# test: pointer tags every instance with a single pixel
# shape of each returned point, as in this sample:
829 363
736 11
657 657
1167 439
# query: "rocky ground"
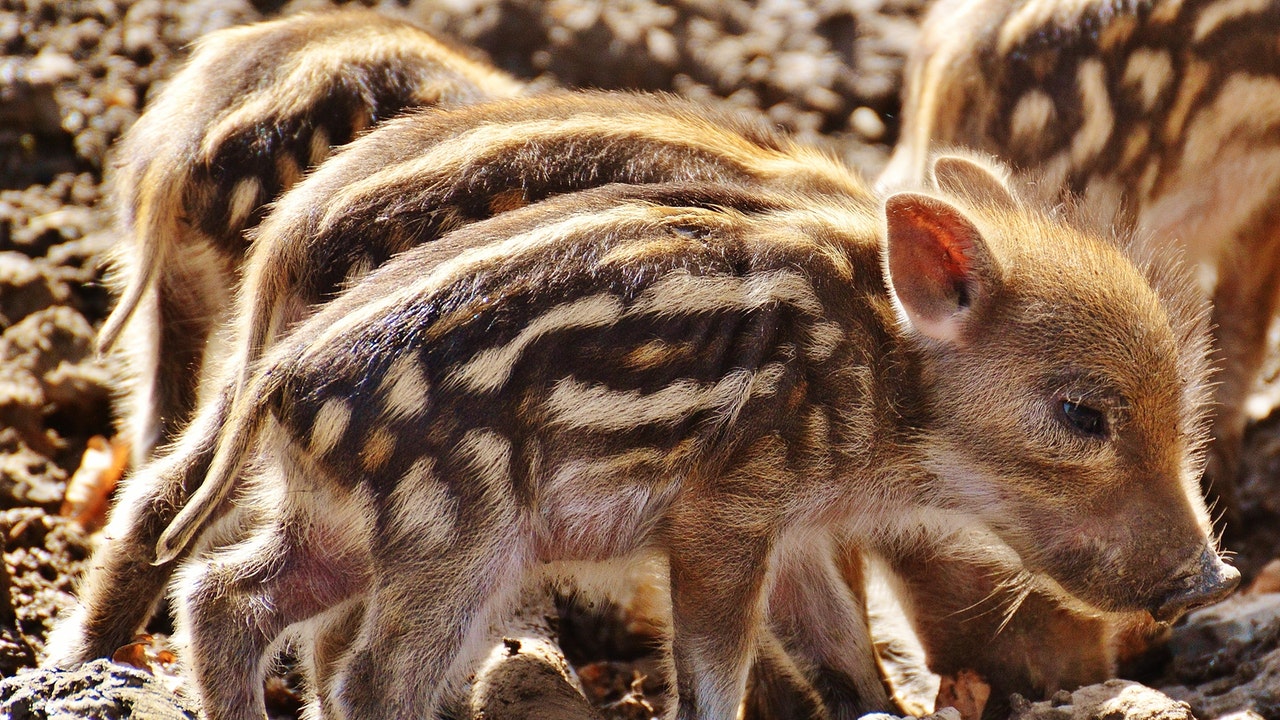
75 74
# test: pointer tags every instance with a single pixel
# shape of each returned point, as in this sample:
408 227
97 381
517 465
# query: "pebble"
867 123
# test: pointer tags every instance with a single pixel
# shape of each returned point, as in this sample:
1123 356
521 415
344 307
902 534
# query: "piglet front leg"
718 574
822 622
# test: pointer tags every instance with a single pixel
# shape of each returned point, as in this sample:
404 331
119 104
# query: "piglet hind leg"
322 649
427 615
122 586
777 689
237 600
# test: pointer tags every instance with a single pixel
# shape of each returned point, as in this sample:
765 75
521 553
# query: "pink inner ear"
953 246
935 257
949 244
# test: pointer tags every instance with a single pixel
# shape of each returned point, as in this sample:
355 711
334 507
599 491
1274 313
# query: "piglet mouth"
1205 583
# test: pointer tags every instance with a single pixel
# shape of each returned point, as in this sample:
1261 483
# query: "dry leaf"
135 653
101 467
146 652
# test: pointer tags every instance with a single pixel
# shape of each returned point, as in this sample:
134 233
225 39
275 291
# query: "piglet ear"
983 183
938 265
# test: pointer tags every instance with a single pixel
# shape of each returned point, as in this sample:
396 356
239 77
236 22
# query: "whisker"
1012 610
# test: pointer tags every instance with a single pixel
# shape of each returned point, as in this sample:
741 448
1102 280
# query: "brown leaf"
146 652
101 467
136 653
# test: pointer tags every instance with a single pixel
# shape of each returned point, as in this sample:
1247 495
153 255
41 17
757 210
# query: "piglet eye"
1084 419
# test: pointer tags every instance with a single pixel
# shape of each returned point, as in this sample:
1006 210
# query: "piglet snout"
1209 581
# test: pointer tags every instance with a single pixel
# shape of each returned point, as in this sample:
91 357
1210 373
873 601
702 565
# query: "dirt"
74 75
1111 700
101 690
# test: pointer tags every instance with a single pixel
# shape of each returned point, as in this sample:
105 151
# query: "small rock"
1242 715
1239 620
15 651
946 713
823 99
795 72
965 692
1259 695
49 68
44 555
28 478
662 46
25 287
100 689
867 123
1111 700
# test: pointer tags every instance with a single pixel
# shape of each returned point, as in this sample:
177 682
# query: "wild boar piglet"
1159 114
253 109
718 373
422 176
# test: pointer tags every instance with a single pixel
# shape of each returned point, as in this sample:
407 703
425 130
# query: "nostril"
1213 582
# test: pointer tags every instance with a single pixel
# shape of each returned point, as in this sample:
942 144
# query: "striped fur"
253 110
470 162
449 169
416 180
537 437
465 161
1159 113
446 169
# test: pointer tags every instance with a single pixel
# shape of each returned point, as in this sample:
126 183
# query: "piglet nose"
1209 582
